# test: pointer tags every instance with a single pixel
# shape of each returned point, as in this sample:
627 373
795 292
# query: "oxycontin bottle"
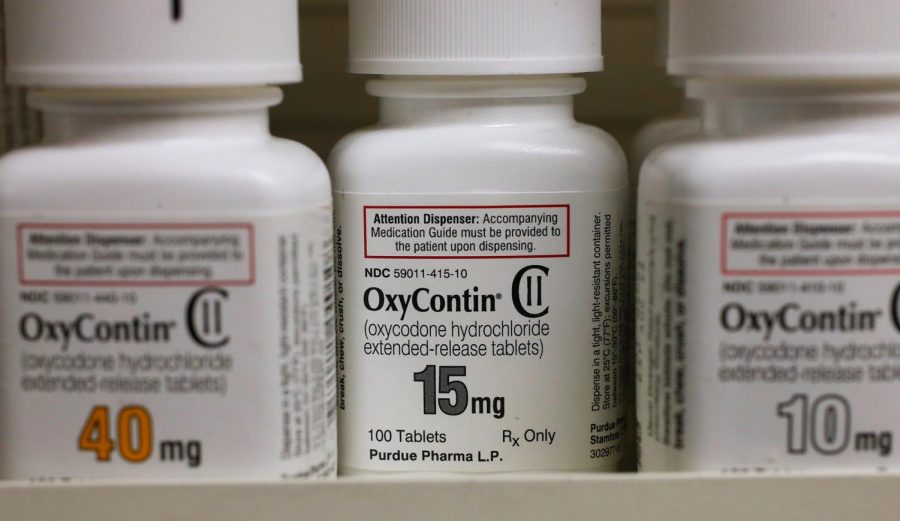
670 128
479 244
165 264
768 247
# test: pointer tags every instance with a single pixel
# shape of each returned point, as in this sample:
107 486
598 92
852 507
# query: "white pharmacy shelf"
538 498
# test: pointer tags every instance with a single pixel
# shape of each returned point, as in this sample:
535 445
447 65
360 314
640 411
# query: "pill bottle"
660 131
768 310
165 263
478 244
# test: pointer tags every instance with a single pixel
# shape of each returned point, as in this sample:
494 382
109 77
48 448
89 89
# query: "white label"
768 339
480 333
185 348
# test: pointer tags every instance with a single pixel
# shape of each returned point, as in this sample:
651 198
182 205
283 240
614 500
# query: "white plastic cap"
785 38
136 43
475 37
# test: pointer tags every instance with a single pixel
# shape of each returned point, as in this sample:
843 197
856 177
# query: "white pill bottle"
768 313
479 244
669 128
165 263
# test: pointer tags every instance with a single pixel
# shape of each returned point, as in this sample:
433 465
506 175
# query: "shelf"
525 498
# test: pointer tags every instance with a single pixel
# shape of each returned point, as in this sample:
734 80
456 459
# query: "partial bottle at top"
165 264
480 244
768 308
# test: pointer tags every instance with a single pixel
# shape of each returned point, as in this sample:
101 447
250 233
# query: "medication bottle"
768 313
661 131
479 244
165 263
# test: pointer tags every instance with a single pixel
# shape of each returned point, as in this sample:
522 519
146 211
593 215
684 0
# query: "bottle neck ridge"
744 107
102 115
476 100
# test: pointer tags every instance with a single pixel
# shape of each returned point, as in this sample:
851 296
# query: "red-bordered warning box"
557 247
729 266
35 272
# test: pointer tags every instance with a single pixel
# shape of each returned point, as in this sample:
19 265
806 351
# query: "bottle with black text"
768 308
479 244
166 265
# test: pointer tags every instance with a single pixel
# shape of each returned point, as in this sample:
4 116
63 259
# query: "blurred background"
330 103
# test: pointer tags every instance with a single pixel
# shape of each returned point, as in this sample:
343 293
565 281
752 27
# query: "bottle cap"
785 38
475 37
159 43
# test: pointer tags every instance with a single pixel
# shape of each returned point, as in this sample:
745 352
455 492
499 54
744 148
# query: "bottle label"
480 332
768 339
179 348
